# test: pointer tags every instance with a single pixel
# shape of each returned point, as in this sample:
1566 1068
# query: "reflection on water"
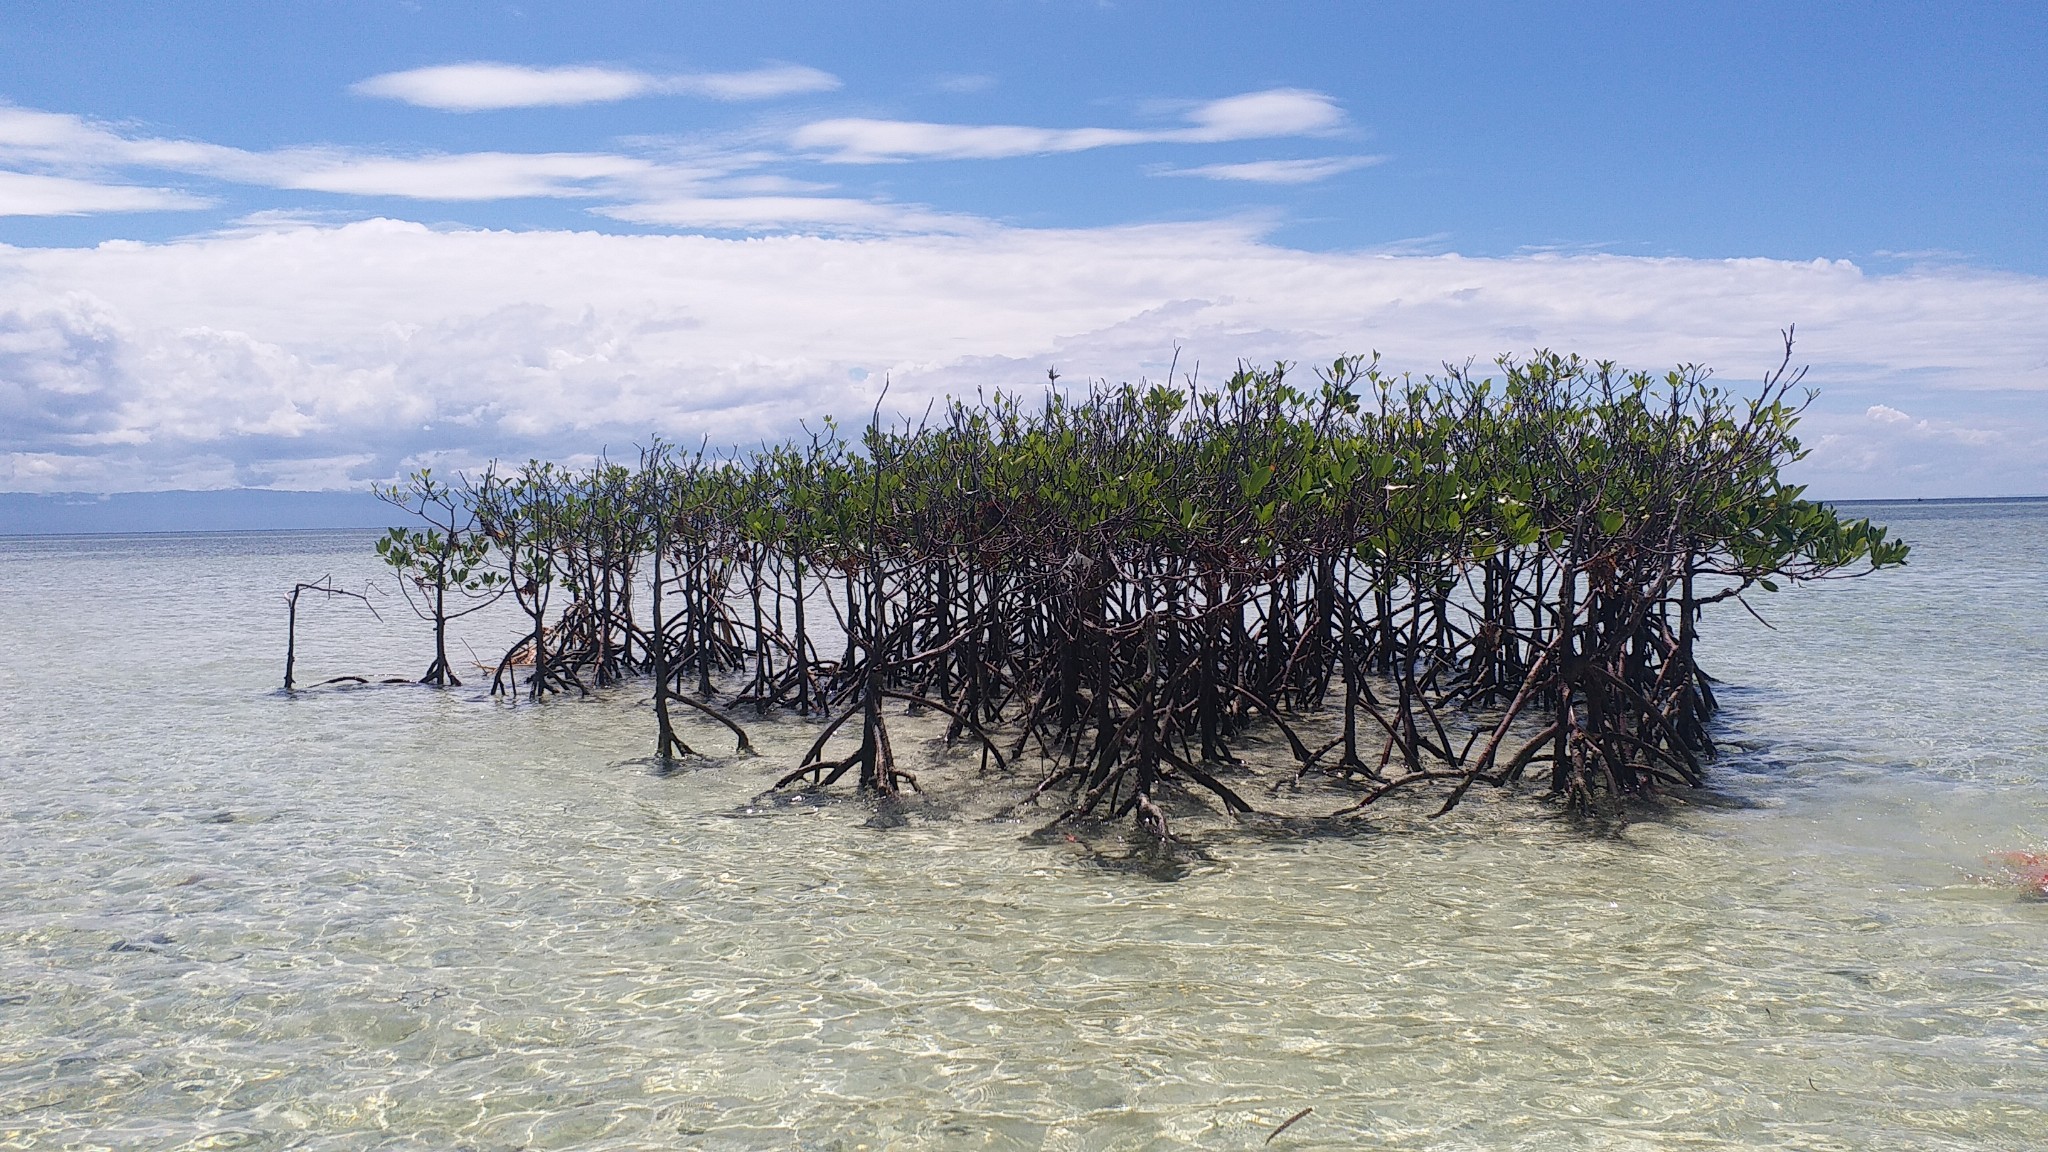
391 917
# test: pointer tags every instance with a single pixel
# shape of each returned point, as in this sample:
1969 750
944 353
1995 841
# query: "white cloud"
26 194
1976 454
30 136
757 84
964 83
320 353
466 176
1252 116
862 141
1259 115
1278 171
487 86
1887 414
795 213
650 181
86 165
72 144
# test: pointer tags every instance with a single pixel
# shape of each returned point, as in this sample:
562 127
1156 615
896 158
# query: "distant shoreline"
186 513
1936 500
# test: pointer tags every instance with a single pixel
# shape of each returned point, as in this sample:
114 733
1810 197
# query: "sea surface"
394 917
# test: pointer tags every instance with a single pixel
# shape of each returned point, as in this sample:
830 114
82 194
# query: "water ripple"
396 918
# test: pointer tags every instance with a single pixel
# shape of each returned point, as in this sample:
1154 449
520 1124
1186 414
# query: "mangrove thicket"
1102 593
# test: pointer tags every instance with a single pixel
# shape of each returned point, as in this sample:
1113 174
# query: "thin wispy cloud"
797 213
82 166
767 83
1258 115
72 151
471 175
1274 113
27 134
865 141
74 145
484 86
1278 171
27 194
964 83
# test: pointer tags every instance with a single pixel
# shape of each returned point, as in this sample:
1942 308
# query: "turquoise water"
401 918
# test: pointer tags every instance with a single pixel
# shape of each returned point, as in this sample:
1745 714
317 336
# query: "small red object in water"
2028 869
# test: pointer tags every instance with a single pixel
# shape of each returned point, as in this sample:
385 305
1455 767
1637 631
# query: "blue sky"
326 216
1859 131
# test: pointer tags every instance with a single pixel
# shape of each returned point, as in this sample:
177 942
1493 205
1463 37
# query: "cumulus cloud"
1252 116
488 86
1278 171
1983 450
61 373
326 356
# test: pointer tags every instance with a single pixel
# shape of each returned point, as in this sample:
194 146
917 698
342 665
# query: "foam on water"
399 918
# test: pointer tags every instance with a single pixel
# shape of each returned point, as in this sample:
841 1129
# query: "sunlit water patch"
395 917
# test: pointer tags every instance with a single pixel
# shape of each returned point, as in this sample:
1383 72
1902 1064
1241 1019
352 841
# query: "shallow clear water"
402 918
